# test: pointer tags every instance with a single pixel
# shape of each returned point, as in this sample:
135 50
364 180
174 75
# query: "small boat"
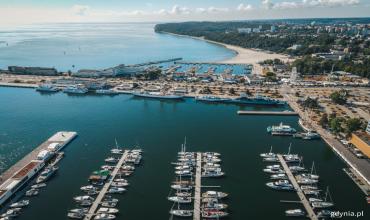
116 151
83 210
270 159
280 185
88 188
182 186
104 216
114 190
111 160
75 89
86 203
214 204
297 168
109 204
157 95
46 174
214 214
209 98
183 173
20 204
181 213
75 215
279 176
106 92
295 213
107 167
274 171
322 204
281 129
120 180
308 187
119 184
83 198
314 200
214 194
183 194
311 192
32 192
324 214
12 213
213 173
180 199
38 186
108 210
306 181
269 154
47 88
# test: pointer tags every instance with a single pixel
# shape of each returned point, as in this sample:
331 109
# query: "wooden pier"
197 189
282 113
62 137
105 188
310 213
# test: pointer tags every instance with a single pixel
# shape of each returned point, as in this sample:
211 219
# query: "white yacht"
46 174
280 185
32 192
11 213
76 89
108 210
20 204
279 176
214 194
295 213
104 216
214 214
75 215
106 92
180 199
181 213
83 198
116 190
47 88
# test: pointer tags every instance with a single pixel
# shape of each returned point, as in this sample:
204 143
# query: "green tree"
324 120
353 124
338 98
335 125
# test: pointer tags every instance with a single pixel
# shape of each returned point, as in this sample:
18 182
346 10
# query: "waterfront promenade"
361 166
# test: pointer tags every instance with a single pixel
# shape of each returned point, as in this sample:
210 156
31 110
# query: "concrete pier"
197 189
284 113
105 188
62 137
310 213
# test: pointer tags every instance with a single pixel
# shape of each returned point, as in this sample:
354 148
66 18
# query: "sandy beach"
242 55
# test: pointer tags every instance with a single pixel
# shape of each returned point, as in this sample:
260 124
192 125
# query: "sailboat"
269 154
116 150
325 203
312 175
181 212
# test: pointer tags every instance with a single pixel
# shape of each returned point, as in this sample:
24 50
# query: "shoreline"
242 55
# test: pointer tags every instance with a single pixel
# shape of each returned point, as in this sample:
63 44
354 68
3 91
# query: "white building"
244 30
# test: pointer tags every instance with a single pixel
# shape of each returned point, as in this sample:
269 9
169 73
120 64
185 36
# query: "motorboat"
104 216
46 174
306 181
213 173
279 176
111 160
183 173
119 184
108 210
214 194
75 215
214 214
311 192
179 199
38 186
75 89
269 154
20 204
47 88
181 186
107 167
280 185
214 204
109 204
113 190
274 171
83 198
270 159
308 187
181 212
83 210
183 194
281 129
88 188
295 213
106 92
11 213
297 168
32 192
322 204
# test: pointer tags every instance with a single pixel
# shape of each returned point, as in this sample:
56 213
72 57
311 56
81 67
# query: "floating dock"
105 188
197 190
310 213
25 169
282 113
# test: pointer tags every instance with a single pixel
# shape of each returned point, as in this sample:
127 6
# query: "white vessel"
295 212
116 190
181 213
106 92
108 210
75 89
214 194
104 216
20 204
47 88
46 174
157 95
179 199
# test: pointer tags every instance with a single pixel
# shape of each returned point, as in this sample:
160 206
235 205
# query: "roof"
365 137
24 171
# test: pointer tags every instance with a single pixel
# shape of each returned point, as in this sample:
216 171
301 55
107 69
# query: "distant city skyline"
40 11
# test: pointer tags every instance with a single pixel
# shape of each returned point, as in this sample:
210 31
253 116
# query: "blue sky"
38 11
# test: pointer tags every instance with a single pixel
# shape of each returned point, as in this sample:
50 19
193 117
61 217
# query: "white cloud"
309 4
243 7
81 10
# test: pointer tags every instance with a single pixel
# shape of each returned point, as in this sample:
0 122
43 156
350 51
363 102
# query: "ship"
157 95
281 129
47 88
106 92
208 98
243 99
307 135
76 89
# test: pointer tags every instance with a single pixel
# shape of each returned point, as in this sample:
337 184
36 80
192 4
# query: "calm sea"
78 46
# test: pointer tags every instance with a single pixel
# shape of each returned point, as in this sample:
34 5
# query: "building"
244 30
273 28
361 140
43 71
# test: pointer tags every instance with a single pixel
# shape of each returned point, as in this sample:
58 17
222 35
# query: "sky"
14 12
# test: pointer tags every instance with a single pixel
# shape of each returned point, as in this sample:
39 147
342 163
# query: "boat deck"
62 137
197 193
310 213
105 188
